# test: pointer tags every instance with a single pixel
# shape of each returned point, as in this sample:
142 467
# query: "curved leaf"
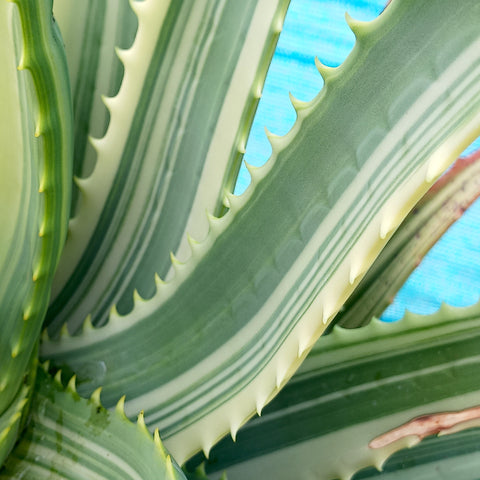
443 204
176 135
220 339
35 178
354 386
73 438
91 31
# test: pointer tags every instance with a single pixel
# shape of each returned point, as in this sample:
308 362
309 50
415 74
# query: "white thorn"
325 72
296 103
354 273
356 26
327 312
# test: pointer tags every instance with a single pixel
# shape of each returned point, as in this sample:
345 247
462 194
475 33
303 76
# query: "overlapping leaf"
370 381
35 180
74 439
217 341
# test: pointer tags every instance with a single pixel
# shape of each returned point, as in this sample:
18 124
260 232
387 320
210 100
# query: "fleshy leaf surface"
222 337
74 439
355 386
175 140
35 179
443 204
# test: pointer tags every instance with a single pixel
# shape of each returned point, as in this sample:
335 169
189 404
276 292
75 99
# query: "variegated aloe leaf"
442 457
355 386
13 419
217 342
72 438
35 178
443 204
177 133
91 31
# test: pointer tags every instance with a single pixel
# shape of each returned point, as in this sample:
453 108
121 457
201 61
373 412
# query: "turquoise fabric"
451 270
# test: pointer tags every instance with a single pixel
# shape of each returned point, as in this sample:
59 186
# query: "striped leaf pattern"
443 204
91 31
176 136
75 439
35 172
216 342
370 381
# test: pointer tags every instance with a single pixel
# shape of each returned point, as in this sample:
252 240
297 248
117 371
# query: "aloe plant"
195 342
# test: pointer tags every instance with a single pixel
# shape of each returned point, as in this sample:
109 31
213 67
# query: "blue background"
451 270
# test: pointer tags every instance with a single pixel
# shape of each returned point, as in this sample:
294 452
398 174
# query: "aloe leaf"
91 31
443 204
369 381
223 336
35 176
441 457
175 141
14 418
73 438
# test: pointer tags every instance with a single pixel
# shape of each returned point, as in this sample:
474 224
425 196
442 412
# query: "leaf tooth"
136 297
95 397
16 350
257 91
206 447
42 230
195 249
123 54
215 223
141 423
327 311
87 325
304 343
109 102
297 104
235 425
158 281
40 127
386 226
355 272
234 202
58 378
71 386
79 182
137 7
275 140
64 333
38 272
258 173
192 243
359 28
45 365
120 407
260 401
327 73
28 312
98 144
114 312
277 24
178 266
42 185
159 444
169 467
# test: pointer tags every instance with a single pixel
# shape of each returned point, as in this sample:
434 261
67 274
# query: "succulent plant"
96 196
